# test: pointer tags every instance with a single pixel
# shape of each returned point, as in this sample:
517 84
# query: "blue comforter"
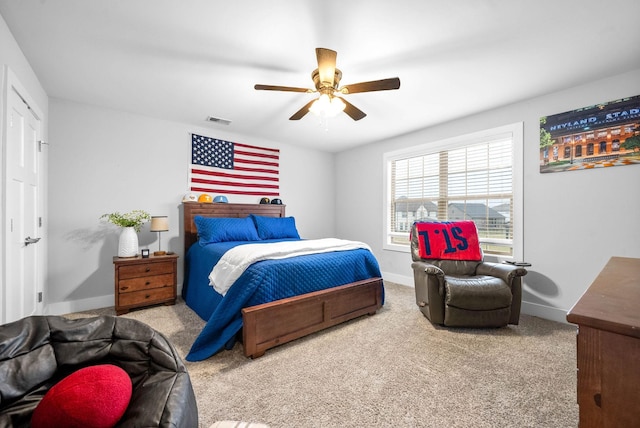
262 282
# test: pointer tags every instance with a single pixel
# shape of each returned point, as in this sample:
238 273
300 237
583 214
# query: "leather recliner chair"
460 293
39 351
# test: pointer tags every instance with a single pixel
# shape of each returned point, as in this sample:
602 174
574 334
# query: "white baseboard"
398 279
543 311
61 308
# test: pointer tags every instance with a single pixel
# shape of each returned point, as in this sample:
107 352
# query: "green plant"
133 219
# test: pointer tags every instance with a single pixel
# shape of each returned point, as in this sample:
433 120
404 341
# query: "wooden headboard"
192 209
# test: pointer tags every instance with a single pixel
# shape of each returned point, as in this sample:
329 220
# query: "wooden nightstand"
144 282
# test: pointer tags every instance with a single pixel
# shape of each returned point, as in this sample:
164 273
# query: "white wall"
103 161
573 221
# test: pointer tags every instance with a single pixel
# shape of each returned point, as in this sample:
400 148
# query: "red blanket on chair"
449 240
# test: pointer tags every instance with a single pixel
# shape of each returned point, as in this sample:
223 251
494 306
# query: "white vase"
128 243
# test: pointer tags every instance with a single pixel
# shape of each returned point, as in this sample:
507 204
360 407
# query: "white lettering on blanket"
235 261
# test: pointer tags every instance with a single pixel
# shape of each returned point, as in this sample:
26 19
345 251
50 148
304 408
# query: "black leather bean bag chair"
37 352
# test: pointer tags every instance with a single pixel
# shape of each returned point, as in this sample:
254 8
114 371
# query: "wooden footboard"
272 324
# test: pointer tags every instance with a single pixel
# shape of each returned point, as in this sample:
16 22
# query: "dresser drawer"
146 297
146 269
145 283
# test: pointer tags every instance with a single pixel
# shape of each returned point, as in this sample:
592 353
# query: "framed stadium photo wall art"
597 136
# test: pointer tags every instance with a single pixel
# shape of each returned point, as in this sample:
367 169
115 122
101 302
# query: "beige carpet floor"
393 369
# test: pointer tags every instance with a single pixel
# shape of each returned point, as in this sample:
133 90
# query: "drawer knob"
147 283
147 296
148 269
598 399
123 288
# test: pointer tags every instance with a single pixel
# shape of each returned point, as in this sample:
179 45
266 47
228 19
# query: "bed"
325 295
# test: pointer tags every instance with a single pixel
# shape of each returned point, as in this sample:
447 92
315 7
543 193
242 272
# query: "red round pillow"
95 396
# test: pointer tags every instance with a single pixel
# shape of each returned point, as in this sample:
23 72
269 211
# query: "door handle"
29 240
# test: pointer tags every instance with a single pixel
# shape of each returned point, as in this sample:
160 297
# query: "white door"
22 203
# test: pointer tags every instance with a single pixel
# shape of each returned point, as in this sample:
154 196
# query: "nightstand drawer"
145 283
146 296
146 269
141 282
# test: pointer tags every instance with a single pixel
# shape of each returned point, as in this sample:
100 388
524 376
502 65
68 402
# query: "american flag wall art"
223 167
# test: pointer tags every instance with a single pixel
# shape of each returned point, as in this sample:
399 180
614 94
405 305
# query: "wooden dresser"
141 282
608 319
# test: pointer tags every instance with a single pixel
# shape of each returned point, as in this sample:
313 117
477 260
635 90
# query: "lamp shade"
159 223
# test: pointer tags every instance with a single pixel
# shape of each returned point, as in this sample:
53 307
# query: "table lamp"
159 224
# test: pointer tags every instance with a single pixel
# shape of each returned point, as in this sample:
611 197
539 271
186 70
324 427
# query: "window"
473 177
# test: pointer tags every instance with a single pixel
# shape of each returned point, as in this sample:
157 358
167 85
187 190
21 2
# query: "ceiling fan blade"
326 65
304 110
281 88
374 85
354 112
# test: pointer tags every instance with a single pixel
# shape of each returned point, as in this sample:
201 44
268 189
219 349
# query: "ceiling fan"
326 79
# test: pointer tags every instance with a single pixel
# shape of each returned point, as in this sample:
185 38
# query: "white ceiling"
189 59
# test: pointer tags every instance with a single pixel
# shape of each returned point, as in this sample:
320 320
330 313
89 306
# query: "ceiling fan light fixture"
327 106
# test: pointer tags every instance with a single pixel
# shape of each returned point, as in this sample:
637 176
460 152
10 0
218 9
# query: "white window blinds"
473 180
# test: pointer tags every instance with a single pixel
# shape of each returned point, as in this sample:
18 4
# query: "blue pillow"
223 229
275 227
